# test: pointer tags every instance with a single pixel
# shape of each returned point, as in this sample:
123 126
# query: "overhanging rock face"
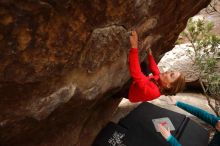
61 60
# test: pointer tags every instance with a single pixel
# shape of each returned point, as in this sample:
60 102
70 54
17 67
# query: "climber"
201 114
145 88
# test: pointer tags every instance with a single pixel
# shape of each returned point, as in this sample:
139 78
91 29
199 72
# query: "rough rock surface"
60 61
177 59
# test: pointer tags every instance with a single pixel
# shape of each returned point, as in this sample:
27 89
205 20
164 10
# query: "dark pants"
215 140
124 90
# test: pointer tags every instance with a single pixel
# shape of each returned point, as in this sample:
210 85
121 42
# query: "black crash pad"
138 130
111 135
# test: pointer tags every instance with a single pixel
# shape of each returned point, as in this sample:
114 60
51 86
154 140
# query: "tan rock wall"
60 60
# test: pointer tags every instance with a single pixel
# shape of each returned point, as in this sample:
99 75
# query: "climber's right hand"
134 39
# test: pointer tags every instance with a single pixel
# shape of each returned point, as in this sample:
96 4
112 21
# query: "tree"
205 55
213 7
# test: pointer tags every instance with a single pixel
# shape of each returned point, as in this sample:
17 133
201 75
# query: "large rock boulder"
60 61
178 59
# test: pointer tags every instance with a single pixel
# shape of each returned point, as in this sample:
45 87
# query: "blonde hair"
177 86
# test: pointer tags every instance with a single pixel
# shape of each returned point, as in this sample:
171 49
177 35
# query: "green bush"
205 54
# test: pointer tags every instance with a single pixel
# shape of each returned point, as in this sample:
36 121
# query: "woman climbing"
145 88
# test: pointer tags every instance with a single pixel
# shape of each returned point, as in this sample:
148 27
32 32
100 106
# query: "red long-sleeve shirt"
142 89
